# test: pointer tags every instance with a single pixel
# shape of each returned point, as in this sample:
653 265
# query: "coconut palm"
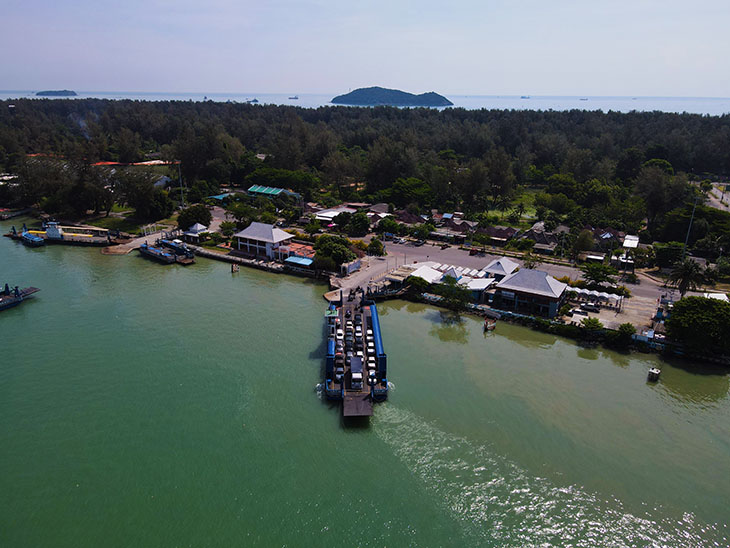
686 275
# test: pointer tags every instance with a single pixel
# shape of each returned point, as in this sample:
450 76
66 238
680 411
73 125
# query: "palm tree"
520 209
687 275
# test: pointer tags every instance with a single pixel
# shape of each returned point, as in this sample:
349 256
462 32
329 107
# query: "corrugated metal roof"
299 261
537 282
264 233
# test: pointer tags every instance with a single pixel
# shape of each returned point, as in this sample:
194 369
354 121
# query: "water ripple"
502 505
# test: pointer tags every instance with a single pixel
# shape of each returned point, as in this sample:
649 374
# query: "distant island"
375 96
57 93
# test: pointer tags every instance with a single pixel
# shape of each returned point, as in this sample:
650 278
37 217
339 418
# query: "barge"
13 297
356 364
183 254
53 233
156 253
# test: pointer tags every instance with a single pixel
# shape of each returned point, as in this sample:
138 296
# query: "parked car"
590 307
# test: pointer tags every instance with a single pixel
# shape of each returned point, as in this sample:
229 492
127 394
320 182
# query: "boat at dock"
356 364
157 253
183 254
13 297
53 233
31 240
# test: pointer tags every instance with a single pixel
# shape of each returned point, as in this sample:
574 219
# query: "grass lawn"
124 224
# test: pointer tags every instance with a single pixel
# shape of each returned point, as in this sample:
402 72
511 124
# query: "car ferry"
356 364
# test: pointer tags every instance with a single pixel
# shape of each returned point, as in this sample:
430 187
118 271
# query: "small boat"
525 97
294 97
13 297
156 253
653 375
31 240
489 324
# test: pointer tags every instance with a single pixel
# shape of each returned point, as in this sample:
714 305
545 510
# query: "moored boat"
31 240
183 254
13 297
157 253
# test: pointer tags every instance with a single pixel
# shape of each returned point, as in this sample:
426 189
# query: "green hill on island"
375 96
57 93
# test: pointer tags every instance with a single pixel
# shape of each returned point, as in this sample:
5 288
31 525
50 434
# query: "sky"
487 47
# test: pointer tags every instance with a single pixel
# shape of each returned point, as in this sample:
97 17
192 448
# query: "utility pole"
179 180
689 228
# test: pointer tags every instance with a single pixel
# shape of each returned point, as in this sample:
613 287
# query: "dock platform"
357 405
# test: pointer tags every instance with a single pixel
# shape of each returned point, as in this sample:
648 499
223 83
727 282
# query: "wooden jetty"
356 365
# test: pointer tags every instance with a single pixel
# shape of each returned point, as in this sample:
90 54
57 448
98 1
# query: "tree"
388 224
703 325
359 225
194 214
312 227
228 228
417 285
376 247
686 275
584 242
530 261
334 247
455 297
591 324
597 273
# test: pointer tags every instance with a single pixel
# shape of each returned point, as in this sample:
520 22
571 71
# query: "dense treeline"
625 171
396 139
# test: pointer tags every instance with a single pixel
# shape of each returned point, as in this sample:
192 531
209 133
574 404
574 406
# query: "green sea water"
154 406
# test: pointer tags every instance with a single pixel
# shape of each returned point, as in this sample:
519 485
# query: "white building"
262 240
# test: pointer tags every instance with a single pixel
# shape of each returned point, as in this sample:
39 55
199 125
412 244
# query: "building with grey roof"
499 268
533 292
262 240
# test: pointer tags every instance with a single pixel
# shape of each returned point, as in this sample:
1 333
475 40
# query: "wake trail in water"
501 505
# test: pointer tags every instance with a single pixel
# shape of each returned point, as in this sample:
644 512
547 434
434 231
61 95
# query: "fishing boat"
31 240
13 297
157 253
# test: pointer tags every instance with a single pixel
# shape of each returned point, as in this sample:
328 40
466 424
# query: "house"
408 218
532 292
262 240
327 216
478 287
499 268
545 241
194 233
460 225
380 208
499 235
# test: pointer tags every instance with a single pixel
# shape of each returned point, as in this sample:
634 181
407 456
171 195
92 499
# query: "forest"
628 171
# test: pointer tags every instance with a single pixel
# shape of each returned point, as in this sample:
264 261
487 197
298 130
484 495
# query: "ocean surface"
696 105
159 406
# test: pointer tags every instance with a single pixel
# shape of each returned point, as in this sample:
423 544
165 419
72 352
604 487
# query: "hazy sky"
488 47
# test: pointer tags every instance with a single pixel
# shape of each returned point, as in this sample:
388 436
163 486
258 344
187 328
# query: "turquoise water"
149 405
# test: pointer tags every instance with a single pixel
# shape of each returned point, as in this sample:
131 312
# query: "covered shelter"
194 233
